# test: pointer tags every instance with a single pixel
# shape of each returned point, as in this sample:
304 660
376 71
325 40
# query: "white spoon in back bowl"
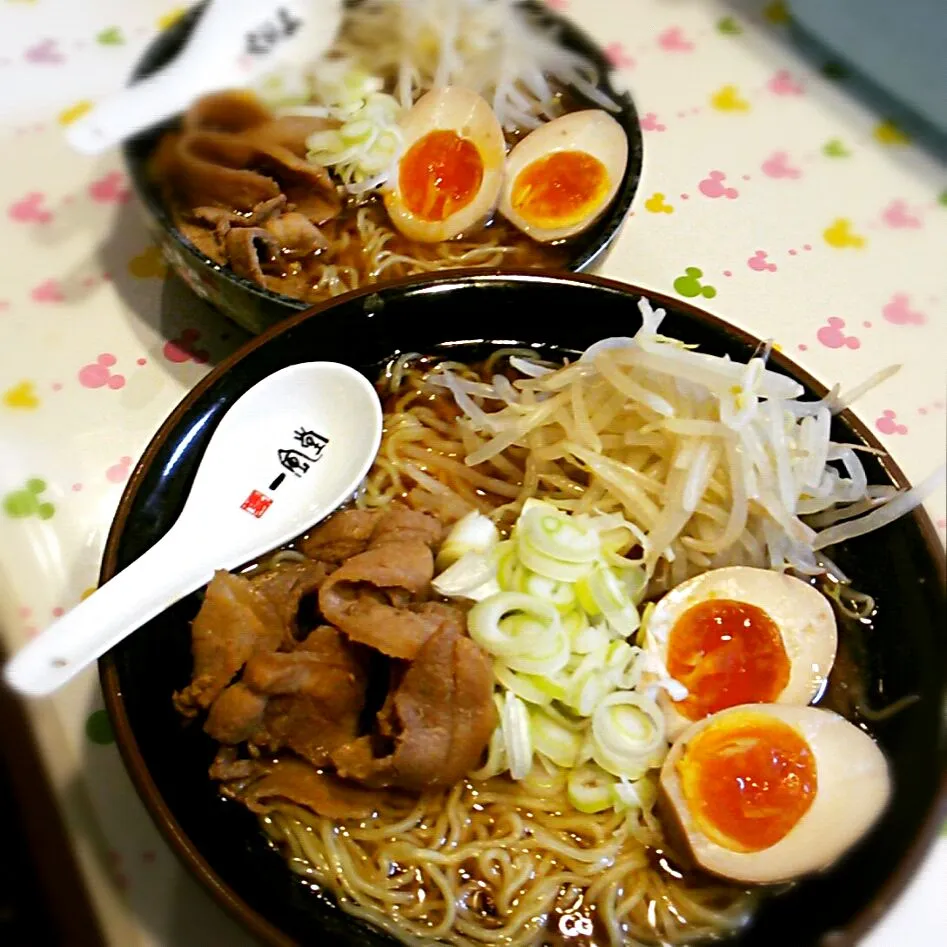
233 43
284 456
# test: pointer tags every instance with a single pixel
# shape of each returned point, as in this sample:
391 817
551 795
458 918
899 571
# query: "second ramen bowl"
255 308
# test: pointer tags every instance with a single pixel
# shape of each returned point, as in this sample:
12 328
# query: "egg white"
803 615
853 786
591 131
468 115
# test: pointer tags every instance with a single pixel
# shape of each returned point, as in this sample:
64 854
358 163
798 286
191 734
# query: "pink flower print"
832 336
759 263
898 311
888 423
650 123
672 41
897 216
30 209
713 186
98 374
783 83
777 166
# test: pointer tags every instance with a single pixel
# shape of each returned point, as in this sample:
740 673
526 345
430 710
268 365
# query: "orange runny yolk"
726 653
747 780
560 189
439 175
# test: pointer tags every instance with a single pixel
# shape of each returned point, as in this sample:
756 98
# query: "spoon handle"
134 596
131 110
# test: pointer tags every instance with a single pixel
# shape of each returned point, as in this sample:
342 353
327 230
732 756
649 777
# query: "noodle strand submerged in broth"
495 863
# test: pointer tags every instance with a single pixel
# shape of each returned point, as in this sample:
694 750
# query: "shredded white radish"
713 461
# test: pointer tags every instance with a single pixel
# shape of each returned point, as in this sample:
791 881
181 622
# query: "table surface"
771 194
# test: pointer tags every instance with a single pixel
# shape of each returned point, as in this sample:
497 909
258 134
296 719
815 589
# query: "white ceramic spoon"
287 453
233 43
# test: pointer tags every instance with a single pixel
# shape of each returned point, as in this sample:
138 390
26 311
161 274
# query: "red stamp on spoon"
257 503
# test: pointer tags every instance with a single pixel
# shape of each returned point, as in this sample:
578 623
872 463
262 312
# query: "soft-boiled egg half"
564 174
740 636
763 793
450 171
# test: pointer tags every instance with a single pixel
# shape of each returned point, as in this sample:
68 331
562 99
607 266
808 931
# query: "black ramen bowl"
256 308
466 314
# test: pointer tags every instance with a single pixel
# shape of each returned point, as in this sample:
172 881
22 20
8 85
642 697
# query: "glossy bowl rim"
137 766
613 219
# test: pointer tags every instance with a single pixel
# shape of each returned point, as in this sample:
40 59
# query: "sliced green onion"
574 621
545 778
623 664
588 692
561 594
496 761
525 632
584 665
559 623
472 576
517 741
533 688
553 545
507 566
638 794
549 567
360 150
564 716
590 789
646 613
590 638
586 600
628 734
543 651
635 580
552 739
604 592
555 534
471 533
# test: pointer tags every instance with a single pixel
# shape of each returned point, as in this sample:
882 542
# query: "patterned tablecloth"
771 194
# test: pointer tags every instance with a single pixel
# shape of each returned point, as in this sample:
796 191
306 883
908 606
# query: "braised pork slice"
312 698
443 714
228 766
296 235
233 153
351 532
447 507
367 598
287 585
210 167
400 524
250 250
293 781
318 696
308 187
236 715
222 219
341 536
289 132
235 622
228 111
